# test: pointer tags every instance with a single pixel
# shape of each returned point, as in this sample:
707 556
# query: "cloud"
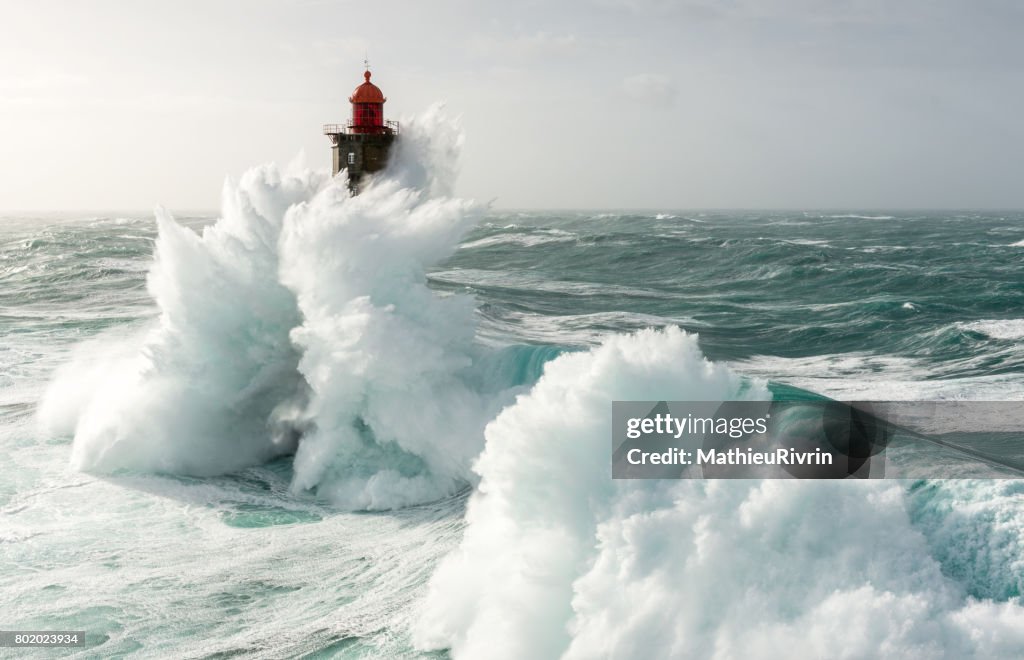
654 88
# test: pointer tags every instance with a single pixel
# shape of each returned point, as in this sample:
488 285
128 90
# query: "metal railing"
339 129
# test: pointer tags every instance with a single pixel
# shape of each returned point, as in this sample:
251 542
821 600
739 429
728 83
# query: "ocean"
318 426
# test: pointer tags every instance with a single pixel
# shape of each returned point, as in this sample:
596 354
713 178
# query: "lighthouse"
363 143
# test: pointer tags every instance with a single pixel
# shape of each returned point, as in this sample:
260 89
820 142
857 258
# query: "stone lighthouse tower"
362 145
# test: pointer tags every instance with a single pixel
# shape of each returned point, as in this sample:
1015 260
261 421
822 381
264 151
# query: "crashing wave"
560 561
301 322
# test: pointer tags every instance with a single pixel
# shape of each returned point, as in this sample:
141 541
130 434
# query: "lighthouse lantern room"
363 144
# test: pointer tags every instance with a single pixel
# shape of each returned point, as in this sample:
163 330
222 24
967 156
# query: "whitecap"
996 329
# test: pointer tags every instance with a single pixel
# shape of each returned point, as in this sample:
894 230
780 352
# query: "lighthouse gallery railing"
337 129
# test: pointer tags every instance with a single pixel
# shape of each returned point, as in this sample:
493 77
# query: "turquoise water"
881 305
940 290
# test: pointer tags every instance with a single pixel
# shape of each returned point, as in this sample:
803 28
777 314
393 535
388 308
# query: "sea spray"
975 529
388 361
400 389
199 395
301 320
558 560
546 484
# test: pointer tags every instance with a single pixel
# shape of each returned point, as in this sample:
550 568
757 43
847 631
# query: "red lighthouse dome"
367 107
367 92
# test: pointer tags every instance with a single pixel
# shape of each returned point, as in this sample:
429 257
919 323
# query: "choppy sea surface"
174 562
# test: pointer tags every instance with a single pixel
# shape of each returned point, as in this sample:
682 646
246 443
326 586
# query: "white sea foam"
199 395
397 416
560 561
997 329
864 376
302 312
545 488
808 242
582 330
538 237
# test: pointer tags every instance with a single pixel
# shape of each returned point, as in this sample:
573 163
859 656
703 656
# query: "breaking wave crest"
301 322
203 390
558 560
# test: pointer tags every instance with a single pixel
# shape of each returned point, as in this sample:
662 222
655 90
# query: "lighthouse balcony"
351 128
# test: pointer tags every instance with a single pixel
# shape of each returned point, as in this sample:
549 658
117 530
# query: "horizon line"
6 213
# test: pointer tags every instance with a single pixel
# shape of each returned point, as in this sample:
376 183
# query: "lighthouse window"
351 159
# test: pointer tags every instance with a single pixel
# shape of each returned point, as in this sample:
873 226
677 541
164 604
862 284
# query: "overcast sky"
577 104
